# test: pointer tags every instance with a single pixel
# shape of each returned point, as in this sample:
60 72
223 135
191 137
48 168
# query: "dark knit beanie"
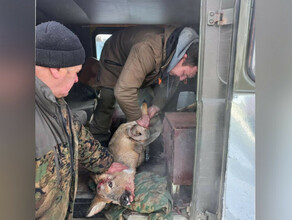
57 46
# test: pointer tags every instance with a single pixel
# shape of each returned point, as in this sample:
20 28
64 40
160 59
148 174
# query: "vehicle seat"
82 98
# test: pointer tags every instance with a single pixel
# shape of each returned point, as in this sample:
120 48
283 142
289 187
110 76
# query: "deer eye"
110 184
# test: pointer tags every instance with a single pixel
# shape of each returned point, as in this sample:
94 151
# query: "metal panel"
208 156
214 88
179 143
239 182
239 194
119 12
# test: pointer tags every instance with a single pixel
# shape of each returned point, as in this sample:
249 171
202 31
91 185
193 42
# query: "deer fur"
127 147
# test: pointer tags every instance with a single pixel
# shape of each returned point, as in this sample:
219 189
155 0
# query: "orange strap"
159 81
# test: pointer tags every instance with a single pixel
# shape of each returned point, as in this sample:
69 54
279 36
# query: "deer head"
115 186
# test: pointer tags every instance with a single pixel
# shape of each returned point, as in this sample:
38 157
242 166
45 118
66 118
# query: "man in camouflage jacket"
61 142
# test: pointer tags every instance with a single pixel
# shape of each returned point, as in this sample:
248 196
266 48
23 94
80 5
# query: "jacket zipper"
72 138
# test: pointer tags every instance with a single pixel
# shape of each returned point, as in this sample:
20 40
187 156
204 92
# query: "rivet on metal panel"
212 18
223 17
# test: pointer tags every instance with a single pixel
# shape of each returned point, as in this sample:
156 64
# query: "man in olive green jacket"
140 57
61 142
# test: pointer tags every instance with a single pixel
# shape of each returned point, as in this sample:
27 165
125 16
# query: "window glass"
99 42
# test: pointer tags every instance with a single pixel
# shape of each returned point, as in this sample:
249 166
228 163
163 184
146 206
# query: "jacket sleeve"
140 62
92 155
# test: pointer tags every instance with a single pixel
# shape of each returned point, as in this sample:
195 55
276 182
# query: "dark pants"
102 119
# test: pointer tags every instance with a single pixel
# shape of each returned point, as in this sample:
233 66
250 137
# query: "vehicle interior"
194 139
95 20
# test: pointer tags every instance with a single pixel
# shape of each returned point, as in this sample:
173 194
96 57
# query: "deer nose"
125 198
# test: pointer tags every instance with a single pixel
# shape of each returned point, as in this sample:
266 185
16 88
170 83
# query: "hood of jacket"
171 34
186 38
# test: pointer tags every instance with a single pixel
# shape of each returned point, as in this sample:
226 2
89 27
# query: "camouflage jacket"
61 143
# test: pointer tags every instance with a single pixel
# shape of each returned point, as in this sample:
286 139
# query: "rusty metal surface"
179 144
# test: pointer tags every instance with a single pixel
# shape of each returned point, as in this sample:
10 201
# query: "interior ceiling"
119 11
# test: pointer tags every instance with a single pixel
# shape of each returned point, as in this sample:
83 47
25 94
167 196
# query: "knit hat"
186 38
57 46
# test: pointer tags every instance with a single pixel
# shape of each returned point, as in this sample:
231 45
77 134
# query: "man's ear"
184 57
56 72
96 206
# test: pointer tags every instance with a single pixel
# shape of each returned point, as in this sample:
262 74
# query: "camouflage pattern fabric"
56 171
151 198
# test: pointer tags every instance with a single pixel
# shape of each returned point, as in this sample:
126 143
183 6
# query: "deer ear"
96 206
96 178
137 132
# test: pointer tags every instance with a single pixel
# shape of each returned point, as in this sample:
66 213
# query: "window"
99 42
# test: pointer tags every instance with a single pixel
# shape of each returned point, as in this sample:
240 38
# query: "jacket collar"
45 97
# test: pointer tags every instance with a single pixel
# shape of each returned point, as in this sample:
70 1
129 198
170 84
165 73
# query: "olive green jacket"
61 144
134 58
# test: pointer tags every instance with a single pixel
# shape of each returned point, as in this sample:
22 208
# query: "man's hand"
144 121
116 167
152 110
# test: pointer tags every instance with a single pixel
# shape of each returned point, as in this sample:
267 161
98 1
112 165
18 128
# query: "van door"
223 88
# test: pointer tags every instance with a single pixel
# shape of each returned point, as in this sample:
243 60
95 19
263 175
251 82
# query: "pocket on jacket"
46 170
